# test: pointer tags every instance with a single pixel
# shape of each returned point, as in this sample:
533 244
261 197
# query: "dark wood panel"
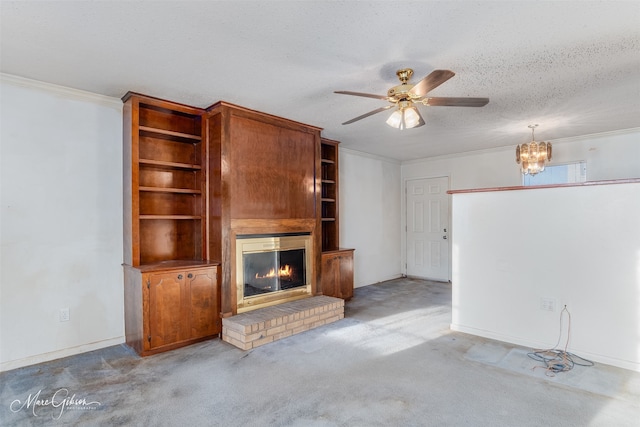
214 184
273 171
269 226
263 117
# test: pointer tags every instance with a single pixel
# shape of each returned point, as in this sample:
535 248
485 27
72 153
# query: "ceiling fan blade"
367 95
432 81
458 102
370 113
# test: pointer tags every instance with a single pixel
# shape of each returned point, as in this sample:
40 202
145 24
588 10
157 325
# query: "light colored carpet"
392 361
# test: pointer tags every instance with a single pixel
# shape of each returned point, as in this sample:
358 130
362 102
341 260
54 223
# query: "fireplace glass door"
271 269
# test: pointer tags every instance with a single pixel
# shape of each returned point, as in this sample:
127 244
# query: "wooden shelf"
176 165
329 196
164 161
163 132
170 217
170 190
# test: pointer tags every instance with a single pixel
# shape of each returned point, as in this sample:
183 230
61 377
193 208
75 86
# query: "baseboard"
58 354
599 358
379 280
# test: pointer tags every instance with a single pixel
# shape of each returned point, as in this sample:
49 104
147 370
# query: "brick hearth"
255 328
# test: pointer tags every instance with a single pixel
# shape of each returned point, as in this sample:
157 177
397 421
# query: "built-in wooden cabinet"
194 180
337 264
164 180
337 273
171 304
329 199
171 290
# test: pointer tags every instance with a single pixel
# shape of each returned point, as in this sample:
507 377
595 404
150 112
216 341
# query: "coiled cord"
556 360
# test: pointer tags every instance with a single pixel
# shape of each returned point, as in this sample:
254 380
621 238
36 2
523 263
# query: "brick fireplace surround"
255 328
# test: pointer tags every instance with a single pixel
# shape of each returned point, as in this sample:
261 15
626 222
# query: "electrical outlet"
548 304
64 314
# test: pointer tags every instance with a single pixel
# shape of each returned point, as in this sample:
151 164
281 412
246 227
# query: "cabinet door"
168 297
330 274
345 285
203 305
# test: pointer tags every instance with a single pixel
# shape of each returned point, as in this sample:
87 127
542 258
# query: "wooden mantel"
536 187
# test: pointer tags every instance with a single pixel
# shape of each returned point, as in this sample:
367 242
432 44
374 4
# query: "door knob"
444 237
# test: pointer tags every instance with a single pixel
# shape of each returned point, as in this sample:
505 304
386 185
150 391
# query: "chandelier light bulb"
532 156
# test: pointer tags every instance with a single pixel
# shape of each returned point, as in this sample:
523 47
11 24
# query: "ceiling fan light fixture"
405 118
395 119
412 118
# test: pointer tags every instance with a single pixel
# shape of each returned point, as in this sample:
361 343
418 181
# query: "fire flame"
284 271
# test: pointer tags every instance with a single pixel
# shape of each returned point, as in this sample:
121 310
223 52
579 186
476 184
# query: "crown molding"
510 147
596 135
66 92
368 155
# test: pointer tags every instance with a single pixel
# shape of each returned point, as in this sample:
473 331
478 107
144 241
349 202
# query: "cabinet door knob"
179 276
190 275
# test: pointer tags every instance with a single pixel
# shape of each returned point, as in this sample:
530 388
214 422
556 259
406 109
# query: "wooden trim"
536 187
172 265
253 114
176 106
264 226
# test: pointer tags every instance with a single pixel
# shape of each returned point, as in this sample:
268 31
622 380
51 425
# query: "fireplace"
271 269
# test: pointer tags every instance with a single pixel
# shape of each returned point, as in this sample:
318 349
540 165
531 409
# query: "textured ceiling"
573 67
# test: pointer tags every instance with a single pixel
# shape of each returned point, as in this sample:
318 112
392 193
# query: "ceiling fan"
405 95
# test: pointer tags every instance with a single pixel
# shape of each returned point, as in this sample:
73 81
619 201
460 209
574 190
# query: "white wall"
578 246
61 222
612 155
370 215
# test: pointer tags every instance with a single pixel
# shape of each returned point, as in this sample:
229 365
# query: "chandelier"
532 156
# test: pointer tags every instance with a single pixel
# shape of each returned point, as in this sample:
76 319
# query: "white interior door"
428 228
